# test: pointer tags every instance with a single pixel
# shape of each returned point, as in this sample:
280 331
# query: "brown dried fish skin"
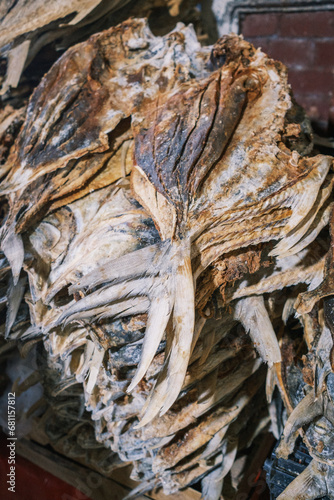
81 108
279 204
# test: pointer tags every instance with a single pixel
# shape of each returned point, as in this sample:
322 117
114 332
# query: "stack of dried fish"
33 33
164 201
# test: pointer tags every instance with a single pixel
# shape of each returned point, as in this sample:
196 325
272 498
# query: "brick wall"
305 43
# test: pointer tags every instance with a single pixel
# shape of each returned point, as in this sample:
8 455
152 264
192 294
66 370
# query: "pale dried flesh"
163 210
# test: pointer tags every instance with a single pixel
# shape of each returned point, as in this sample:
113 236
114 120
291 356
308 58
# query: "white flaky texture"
163 212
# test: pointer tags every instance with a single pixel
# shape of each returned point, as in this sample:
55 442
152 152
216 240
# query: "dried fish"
163 200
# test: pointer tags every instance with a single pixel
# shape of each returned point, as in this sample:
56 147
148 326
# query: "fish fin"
171 378
14 298
253 314
158 317
12 247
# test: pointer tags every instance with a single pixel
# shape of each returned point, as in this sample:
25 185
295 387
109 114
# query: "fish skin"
214 152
